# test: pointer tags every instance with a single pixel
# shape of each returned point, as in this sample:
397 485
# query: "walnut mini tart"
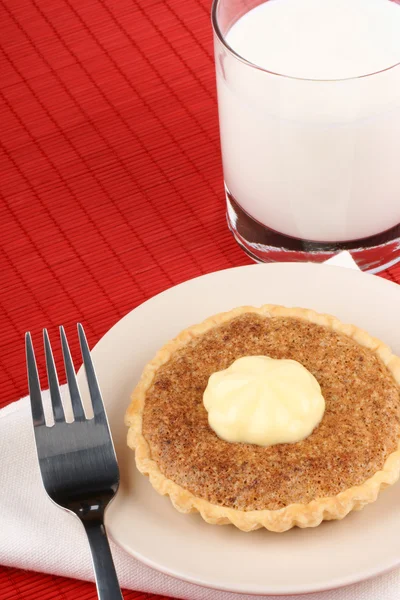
339 463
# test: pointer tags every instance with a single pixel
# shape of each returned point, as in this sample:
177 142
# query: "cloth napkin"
36 535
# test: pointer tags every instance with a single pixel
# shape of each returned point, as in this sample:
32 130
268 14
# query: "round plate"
148 527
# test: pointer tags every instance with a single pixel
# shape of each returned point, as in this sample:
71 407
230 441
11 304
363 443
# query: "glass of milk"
309 109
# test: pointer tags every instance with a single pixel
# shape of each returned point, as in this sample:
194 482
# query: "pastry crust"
301 515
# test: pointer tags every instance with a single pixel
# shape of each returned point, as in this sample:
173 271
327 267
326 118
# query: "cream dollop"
264 401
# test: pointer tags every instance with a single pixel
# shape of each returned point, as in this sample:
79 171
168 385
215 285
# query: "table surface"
111 179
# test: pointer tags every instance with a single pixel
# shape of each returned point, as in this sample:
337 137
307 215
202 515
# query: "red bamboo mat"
111 179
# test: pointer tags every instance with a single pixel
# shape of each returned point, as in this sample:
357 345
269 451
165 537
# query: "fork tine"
34 384
95 394
58 410
71 379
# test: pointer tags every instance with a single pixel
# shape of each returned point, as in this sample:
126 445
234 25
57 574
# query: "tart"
352 454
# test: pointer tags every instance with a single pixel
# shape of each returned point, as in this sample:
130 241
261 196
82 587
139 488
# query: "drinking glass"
311 167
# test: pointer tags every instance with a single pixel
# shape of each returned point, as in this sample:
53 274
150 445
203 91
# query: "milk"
311 140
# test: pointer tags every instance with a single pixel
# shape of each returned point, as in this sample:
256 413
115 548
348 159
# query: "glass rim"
221 37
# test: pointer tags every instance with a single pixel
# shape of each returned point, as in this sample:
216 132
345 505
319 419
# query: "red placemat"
111 178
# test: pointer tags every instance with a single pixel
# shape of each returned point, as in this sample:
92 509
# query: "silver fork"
77 460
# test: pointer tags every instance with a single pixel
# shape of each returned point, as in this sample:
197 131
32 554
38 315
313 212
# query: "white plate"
148 527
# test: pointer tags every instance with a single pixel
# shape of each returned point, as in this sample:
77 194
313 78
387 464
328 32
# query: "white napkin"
36 535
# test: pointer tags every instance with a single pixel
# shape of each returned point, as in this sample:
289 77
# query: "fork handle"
104 570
